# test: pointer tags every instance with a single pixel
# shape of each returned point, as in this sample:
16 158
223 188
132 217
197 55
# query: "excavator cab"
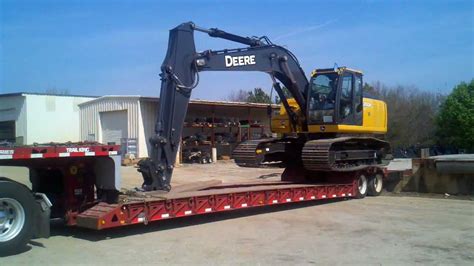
336 104
335 97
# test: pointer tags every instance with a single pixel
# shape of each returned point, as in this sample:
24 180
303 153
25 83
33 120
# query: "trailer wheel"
375 185
361 186
16 216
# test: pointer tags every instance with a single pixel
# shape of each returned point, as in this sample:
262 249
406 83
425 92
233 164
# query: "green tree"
455 122
285 91
258 95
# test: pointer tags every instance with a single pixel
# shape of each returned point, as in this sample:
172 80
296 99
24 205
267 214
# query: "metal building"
118 118
27 118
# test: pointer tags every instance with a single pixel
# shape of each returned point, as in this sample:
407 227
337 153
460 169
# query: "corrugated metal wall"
90 115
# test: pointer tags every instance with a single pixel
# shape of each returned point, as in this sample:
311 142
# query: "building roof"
138 97
44 94
111 97
192 101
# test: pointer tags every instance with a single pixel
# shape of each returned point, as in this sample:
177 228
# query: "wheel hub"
362 184
12 219
378 183
3 218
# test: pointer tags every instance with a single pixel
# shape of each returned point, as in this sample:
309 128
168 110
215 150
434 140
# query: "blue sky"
116 47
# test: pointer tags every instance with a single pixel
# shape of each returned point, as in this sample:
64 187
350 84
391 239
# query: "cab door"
358 101
349 101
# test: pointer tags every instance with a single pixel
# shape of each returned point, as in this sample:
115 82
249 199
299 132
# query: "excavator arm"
180 75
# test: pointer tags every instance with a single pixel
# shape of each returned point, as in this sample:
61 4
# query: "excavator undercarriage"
341 154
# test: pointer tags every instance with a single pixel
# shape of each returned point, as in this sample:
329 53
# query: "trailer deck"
151 206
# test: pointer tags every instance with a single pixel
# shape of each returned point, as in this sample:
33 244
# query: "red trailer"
81 183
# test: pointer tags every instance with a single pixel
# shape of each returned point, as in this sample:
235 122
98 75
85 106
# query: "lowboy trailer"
80 183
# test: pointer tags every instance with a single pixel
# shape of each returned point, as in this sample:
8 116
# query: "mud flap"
43 215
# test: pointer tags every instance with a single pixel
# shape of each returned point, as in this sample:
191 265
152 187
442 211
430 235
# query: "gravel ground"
380 230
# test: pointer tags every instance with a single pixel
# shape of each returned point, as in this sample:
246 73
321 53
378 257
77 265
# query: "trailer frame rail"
137 211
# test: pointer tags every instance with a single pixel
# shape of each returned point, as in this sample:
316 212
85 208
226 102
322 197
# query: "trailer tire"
375 185
16 216
361 186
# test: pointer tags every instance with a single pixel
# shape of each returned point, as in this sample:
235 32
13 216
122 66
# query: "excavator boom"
180 75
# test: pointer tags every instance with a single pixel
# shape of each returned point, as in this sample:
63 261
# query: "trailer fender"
43 215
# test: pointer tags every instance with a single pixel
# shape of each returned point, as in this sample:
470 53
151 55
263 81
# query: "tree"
54 90
238 96
286 92
369 89
258 95
411 114
455 122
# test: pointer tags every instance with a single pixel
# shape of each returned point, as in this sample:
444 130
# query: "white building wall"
149 109
14 108
52 118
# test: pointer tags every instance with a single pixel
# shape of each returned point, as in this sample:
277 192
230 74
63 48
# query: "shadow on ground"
23 249
18 251
269 175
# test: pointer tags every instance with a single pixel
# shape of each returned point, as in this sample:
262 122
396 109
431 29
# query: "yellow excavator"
337 133
326 127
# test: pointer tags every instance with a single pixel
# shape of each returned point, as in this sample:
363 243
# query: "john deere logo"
232 61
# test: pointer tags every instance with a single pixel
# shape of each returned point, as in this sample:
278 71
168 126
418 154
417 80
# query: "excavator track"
315 155
344 154
245 154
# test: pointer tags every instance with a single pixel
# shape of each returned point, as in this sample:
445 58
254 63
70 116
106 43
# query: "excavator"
326 125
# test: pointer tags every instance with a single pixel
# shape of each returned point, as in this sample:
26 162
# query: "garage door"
114 126
7 131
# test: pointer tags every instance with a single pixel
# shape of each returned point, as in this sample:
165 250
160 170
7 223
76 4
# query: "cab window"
322 98
358 94
345 106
